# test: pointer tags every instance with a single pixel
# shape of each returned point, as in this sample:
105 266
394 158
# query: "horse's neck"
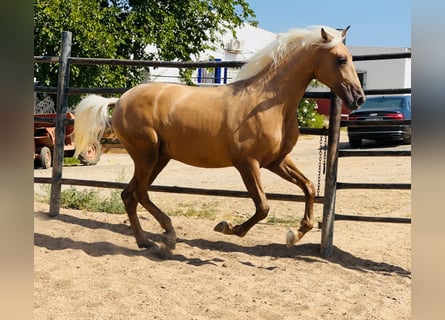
284 84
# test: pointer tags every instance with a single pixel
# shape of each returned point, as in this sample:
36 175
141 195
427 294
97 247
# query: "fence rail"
176 189
205 64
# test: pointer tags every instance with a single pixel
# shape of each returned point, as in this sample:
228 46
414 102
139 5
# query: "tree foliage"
308 116
179 29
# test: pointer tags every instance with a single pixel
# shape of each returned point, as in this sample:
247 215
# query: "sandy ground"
87 264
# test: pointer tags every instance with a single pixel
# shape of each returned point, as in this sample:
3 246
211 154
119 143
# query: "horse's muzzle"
354 97
359 101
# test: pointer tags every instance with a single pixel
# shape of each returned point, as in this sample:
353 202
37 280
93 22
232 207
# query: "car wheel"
45 157
355 142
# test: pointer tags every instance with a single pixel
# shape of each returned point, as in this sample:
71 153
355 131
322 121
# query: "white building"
383 74
249 40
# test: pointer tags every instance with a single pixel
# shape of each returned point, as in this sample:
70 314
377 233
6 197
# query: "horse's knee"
310 189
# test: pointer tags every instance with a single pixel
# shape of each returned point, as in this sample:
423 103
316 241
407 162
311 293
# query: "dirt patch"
87 265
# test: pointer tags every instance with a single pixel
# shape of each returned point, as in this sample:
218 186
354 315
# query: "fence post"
61 109
327 231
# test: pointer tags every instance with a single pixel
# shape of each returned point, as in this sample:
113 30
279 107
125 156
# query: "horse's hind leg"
169 236
250 173
289 171
130 200
146 167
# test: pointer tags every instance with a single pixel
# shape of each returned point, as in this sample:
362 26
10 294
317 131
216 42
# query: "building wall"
251 39
383 74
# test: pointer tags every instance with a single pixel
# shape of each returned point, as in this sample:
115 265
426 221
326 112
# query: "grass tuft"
205 211
288 221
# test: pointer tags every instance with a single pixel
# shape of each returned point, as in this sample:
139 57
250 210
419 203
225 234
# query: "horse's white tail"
91 120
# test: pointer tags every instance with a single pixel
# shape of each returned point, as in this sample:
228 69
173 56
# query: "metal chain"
325 152
319 165
322 151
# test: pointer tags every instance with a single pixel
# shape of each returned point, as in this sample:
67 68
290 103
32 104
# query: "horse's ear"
325 36
343 33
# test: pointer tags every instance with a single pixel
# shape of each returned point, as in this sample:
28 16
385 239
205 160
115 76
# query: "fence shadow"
308 252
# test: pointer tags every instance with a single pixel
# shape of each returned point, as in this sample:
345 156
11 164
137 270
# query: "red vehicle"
324 107
44 140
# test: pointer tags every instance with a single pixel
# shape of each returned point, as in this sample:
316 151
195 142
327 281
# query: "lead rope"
321 154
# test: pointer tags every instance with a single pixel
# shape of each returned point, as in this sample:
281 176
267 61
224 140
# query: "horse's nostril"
359 101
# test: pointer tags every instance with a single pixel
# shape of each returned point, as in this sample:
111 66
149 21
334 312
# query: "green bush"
307 116
111 204
74 199
91 200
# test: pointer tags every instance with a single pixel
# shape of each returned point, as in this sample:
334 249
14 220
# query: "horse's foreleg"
289 171
250 174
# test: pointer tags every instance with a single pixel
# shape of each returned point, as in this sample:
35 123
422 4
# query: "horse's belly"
199 153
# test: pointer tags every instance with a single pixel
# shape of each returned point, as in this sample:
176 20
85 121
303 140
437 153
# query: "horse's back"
189 122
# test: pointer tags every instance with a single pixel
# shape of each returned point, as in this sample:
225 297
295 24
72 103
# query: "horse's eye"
342 60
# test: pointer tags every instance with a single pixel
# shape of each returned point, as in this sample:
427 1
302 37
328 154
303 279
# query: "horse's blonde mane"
285 42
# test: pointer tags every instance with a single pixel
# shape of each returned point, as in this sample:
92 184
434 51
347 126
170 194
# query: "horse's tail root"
91 119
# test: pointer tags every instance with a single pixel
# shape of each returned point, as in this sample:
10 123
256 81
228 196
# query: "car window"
383 103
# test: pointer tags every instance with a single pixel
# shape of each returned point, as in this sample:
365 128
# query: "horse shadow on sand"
308 252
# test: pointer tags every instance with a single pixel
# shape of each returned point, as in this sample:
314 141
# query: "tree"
180 29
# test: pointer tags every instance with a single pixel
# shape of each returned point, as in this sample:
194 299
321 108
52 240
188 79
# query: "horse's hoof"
292 238
169 241
162 253
159 252
224 227
147 245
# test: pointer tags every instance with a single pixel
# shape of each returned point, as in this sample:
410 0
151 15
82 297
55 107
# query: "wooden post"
327 231
61 109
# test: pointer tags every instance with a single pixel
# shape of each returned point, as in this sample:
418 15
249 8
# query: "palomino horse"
250 124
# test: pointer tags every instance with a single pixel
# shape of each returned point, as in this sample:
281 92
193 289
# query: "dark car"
382 108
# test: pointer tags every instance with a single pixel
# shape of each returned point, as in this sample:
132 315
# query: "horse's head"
334 68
